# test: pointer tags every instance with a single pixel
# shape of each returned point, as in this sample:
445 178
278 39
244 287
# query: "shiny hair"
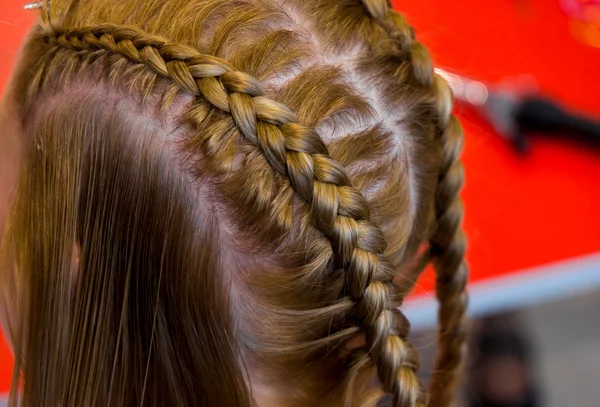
220 195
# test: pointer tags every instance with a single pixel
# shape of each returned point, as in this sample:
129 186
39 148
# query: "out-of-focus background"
532 196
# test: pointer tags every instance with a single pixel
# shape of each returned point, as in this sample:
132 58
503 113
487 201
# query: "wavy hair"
224 196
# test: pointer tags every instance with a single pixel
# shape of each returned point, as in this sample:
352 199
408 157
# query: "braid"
448 240
297 152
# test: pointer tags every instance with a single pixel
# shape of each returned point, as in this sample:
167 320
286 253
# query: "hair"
220 195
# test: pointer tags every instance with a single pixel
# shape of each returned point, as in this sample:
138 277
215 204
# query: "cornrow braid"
447 245
296 151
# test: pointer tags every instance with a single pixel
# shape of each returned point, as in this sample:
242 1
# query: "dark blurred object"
540 115
501 373
517 114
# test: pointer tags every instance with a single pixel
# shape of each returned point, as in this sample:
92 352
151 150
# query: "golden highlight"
224 203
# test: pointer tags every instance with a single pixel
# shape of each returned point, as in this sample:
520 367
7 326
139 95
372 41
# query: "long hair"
223 196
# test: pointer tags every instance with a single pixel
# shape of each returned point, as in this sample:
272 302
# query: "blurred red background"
521 211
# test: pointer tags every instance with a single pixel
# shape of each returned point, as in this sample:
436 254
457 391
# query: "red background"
521 211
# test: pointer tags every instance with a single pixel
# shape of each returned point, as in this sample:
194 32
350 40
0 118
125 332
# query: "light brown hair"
220 196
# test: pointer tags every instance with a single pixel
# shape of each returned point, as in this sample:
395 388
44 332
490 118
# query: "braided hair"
227 101
448 240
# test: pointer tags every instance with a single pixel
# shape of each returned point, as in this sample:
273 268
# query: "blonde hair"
238 183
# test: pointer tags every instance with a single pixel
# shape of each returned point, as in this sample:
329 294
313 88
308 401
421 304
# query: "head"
224 202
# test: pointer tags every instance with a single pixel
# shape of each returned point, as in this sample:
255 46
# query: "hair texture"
226 196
